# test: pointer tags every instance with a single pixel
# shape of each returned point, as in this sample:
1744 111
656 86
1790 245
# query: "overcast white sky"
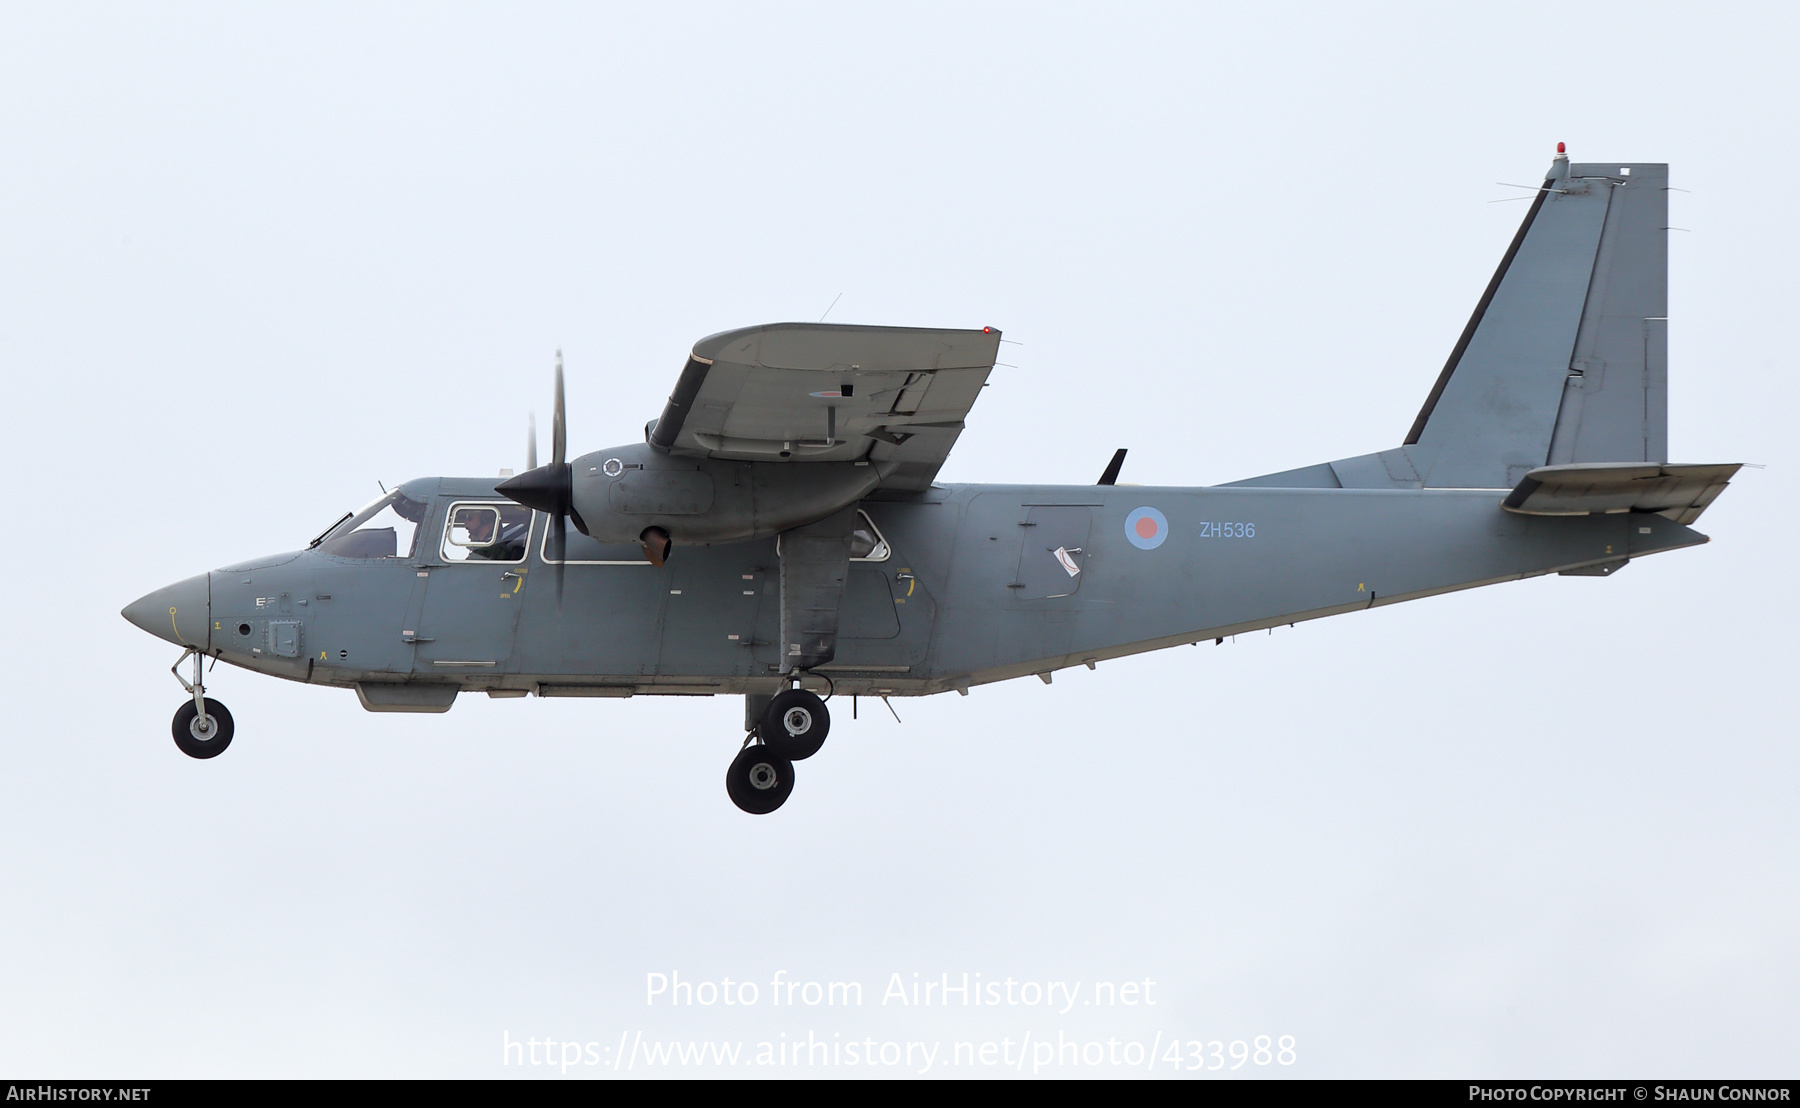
255 258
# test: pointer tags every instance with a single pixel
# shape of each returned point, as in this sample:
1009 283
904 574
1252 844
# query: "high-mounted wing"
820 392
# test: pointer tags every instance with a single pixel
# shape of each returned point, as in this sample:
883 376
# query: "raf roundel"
1146 528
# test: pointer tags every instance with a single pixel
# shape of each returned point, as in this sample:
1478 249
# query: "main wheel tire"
795 724
759 780
197 743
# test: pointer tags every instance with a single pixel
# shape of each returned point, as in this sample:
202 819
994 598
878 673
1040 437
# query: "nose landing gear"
202 727
202 736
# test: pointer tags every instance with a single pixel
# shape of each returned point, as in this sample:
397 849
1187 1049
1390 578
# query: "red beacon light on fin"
1561 148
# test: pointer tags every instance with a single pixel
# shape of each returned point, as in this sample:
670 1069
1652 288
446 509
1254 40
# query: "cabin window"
866 543
486 532
386 528
580 550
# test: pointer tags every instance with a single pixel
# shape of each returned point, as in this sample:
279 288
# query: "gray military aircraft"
780 533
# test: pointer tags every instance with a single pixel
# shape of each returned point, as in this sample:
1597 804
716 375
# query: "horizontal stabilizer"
1680 492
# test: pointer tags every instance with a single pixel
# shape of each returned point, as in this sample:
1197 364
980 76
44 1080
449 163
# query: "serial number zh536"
1228 530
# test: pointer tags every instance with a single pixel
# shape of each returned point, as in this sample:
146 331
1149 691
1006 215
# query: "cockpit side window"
486 532
387 528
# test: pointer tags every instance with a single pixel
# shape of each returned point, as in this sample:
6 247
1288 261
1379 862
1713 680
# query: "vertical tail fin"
1565 358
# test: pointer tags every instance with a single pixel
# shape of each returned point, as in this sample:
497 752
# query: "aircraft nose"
180 613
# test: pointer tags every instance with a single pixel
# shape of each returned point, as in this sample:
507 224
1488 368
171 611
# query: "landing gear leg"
202 727
755 704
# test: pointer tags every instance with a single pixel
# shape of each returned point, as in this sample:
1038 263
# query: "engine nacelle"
617 495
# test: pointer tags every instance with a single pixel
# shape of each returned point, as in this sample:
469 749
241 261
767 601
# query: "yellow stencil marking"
173 624
1359 586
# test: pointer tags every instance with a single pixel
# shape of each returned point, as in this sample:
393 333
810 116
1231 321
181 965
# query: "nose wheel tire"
795 724
198 738
759 780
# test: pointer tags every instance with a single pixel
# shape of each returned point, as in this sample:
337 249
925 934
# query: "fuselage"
968 584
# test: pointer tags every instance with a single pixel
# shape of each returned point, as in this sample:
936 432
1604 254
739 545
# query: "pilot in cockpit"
479 523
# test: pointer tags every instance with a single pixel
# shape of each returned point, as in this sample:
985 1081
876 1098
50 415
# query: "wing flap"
1680 492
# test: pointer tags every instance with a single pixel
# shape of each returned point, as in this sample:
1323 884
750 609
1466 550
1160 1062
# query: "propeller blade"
531 441
558 545
548 489
558 428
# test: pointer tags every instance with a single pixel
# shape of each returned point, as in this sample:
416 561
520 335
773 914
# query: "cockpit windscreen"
386 528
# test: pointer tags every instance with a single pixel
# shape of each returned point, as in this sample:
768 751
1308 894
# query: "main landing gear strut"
790 728
202 727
